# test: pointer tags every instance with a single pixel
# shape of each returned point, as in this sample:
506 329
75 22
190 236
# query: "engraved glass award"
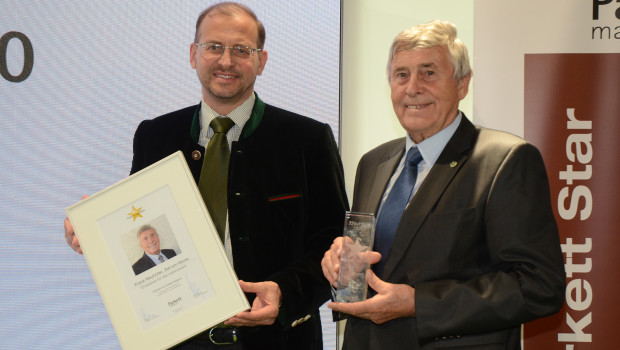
359 232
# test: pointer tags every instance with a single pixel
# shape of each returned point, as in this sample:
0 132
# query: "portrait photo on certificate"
154 254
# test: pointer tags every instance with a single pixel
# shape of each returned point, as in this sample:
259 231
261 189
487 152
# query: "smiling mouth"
224 76
420 106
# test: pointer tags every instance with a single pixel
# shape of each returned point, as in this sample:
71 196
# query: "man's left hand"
391 301
265 307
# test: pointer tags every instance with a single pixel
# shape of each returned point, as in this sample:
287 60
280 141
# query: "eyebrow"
421 65
427 65
231 45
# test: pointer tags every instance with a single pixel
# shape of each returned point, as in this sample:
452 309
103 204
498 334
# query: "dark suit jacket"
145 263
478 242
286 201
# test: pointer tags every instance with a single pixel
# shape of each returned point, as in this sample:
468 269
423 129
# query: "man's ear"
463 86
262 61
192 54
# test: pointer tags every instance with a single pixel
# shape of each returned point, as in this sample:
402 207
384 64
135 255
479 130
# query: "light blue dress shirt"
430 149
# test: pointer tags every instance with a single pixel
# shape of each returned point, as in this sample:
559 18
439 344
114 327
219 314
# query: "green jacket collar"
248 129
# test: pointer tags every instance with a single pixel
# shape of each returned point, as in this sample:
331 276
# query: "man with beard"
283 194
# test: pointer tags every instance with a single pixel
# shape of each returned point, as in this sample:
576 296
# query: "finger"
237 322
247 316
266 314
68 230
254 317
356 309
374 282
340 307
326 268
251 287
371 257
75 245
334 259
345 240
233 322
336 247
245 286
374 257
333 268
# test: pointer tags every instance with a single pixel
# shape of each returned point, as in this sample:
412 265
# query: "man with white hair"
148 238
466 244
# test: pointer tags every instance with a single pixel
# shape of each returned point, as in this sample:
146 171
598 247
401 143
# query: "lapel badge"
196 155
453 164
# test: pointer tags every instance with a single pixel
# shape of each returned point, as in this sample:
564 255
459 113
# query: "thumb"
247 287
374 257
374 282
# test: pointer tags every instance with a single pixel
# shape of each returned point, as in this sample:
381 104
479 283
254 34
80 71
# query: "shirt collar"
432 147
153 257
239 115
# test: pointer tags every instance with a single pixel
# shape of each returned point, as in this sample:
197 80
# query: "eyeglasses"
213 50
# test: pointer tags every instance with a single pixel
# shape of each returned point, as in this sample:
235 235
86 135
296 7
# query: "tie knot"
221 124
414 156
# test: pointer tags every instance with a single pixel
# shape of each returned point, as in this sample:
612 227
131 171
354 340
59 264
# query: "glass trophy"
359 232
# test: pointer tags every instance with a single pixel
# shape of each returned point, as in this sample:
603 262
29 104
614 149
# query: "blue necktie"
394 206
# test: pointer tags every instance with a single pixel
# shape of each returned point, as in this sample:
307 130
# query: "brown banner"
572 113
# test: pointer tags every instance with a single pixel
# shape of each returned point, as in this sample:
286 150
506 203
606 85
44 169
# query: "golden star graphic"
135 212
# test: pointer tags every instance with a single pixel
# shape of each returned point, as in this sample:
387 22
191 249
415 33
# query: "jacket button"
196 155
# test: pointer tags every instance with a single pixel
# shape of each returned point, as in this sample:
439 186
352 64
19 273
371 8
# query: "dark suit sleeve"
142 148
303 286
525 274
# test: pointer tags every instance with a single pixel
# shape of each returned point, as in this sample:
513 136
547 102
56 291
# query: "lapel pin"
453 164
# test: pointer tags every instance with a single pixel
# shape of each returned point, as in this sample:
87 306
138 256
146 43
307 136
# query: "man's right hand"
70 236
331 260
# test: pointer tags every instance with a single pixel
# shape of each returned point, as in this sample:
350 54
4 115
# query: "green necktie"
214 174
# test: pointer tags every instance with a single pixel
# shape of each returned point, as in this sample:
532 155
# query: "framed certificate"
156 257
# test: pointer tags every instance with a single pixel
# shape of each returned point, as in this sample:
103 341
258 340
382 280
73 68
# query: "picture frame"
194 289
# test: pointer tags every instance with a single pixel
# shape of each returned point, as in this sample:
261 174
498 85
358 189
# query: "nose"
225 59
414 86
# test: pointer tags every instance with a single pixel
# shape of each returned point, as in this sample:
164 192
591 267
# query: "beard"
224 90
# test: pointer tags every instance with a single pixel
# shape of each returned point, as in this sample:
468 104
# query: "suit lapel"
382 175
451 159
148 261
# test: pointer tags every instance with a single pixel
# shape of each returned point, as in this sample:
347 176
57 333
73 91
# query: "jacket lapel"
382 175
451 159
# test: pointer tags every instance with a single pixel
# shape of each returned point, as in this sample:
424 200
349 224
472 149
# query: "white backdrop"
99 68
